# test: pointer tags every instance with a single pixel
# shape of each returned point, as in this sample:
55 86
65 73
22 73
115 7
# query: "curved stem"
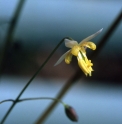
43 98
37 98
12 106
7 100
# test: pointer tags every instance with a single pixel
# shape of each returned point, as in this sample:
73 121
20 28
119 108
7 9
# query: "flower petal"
91 36
90 45
61 58
70 43
68 57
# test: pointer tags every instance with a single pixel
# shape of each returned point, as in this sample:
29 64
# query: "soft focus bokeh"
41 26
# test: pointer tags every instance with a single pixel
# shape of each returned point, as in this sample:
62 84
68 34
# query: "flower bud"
71 114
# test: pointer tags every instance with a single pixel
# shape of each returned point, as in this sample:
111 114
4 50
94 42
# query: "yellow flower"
79 50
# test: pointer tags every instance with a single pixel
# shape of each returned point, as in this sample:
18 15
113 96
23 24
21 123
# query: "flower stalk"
70 112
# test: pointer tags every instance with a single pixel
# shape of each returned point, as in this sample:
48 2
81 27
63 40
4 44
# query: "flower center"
75 50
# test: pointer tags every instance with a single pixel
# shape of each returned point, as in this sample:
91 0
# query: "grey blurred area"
41 25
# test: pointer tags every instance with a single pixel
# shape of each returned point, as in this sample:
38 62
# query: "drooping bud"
71 114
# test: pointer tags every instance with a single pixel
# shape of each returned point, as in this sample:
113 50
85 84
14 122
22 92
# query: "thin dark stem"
30 99
12 106
42 98
7 100
109 32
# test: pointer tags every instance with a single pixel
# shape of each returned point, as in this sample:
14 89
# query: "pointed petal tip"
100 30
55 64
61 58
58 62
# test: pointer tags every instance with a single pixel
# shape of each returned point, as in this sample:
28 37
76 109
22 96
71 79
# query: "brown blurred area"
25 63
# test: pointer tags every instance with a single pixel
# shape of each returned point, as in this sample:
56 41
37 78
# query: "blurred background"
38 28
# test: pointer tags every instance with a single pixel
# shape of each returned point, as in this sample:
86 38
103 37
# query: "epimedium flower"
79 50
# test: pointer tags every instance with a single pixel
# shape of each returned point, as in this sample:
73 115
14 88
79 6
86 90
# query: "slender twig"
30 99
109 32
7 100
77 75
32 79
